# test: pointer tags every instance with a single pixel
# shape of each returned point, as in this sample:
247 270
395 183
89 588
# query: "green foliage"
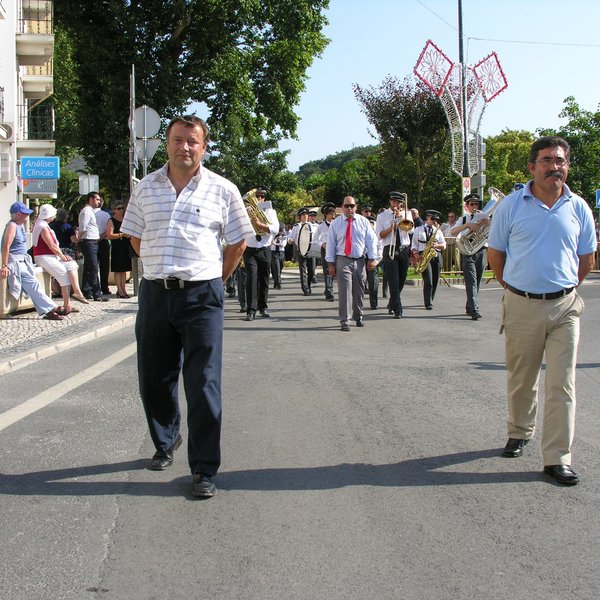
506 157
582 131
411 126
335 161
245 59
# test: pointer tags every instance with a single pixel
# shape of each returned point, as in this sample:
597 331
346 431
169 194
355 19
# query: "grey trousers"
350 274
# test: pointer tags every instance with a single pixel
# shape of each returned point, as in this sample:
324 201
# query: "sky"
373 39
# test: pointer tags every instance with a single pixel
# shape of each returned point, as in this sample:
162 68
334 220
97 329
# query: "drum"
307 247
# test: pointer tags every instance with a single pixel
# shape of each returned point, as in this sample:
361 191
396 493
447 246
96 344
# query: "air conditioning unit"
7 168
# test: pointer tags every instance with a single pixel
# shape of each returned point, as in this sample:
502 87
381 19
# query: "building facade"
26 84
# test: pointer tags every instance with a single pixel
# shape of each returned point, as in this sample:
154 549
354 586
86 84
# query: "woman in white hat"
50 257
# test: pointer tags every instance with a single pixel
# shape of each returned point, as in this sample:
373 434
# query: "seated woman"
50 257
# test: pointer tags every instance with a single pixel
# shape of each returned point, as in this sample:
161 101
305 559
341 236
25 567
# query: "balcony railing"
40 70
36 16
36 122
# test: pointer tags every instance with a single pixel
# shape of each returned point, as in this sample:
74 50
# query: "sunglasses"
120 208
349 205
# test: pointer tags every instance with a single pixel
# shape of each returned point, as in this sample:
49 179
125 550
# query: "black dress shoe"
265 313
250 316
429 307
203 486
514 447
397 315
100 299
475 316
360 323
345 327
243 310
562 473
164 459
306 292
390 311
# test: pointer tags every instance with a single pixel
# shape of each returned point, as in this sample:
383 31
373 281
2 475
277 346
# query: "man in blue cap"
17 266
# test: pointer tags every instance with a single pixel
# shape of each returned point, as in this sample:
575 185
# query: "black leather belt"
550 296
172 283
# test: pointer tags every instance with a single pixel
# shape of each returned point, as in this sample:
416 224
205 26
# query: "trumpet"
254 210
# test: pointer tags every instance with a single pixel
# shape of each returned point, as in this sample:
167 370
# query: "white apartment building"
26 121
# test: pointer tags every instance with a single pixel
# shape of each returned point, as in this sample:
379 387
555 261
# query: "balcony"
38 82
35 129
35 37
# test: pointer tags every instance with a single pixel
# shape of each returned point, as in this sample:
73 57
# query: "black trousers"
431 277
307 272
277 259
182 331
90 285
396 268
258 267
104 264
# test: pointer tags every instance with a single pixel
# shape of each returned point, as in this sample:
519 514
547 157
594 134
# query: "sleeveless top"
19 244
42 248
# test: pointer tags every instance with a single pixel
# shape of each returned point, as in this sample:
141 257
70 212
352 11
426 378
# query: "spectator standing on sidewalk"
89 237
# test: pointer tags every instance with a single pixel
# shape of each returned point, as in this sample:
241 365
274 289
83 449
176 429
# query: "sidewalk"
26 337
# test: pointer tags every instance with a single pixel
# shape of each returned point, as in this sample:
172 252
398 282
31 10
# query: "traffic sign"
88 183
147 122
6 132
40 167
597 198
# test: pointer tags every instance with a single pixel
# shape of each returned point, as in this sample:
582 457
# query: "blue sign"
597 198
40 167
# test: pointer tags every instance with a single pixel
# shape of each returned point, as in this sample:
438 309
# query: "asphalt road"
355 465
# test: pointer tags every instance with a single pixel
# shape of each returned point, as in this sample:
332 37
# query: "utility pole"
463 93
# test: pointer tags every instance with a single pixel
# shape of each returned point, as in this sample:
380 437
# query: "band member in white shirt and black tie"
420 239
257 258
472 265
328 211
395 264
305 264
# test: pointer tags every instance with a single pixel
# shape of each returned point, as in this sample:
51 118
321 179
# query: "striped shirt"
181 236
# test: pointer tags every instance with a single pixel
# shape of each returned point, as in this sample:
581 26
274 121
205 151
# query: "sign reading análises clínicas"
40 167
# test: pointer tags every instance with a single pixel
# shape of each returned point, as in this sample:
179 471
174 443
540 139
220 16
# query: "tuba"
255 210
469 242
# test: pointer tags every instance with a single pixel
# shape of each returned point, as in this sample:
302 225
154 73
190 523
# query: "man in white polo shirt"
177 218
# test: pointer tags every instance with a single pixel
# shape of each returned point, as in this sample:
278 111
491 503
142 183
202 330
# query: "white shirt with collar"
384 221
181 236
266 239
88 227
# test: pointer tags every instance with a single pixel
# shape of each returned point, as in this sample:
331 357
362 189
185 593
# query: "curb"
30 358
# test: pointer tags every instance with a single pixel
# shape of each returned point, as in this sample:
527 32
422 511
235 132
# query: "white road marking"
52 394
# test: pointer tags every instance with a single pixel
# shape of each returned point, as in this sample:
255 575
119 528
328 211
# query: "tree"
506 158
410 124
582 131
246 60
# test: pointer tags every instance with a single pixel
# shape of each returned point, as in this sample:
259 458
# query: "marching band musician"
305 264
373 274
278 256
472 265
328 211
395 266
421 237
257 259
314 228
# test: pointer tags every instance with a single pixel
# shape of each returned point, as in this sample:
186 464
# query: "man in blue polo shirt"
541 247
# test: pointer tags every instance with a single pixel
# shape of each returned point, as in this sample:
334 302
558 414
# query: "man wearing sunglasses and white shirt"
349 240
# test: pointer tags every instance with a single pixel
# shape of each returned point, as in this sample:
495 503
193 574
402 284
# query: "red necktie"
348 246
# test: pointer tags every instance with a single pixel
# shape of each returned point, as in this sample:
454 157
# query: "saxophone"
469 242
429 253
